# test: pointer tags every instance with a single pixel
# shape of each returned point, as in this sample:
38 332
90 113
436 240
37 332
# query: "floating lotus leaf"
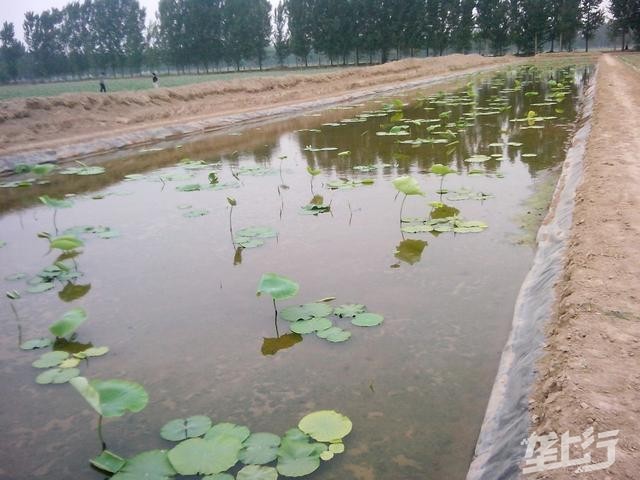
478 159
256 472
198 456
152 465
69 322
245 242
70 363
421 228
326 425
14 276
40 287
440 169
92 352
43 169
334 334
55 202
191 187
336 448
66 242
108 462
50 359
326 456
443 227
470 224
258 232
84 170
112 398
407 185
228 429
367 320
314 324
36 343
295 313
277 286
260 448
183 428
296 456
349 310
57 375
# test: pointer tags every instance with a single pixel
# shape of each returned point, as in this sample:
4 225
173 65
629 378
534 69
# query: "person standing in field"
154 80
103 86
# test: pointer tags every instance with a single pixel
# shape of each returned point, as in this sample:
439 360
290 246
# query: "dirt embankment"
48 122
590 374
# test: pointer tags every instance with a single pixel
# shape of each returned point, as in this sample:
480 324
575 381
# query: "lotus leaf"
407 185
36 343
219 476
70 363
326 456
83 170
42 169
181 428
14 276
227 429
196 213
326 425
336 447
277 286
55 203
191 187
198 456
72 292
13 295
477 159
349 310
152 465
296 456
69 322
314 324
50 359
66 242
256 472
260 448
92 352
367 320
57 375
420 228
245 242
108 462
258 232
334 334
112 398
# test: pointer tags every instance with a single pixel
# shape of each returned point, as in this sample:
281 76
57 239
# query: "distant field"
140 83
632 59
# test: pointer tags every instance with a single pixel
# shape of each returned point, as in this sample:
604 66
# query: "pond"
169 288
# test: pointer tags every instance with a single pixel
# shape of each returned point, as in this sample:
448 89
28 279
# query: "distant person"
154 80
103 86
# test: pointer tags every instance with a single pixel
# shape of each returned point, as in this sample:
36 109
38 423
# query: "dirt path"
54 123
590 375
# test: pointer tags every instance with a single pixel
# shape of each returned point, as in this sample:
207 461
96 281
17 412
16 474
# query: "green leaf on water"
228 429
349 310
92 352
478 159
13 295
83 170
315 324
407 185
72 292
334 334
43 168
219 476
257 472
183 428
306 311
151 465
55 203
198 456
257 232
196 213
336 448
69 322
50 359
298 457
440 169
260 448
191 187
313 171
326 425
57 375
36 343
367 320
245 242
112 398
108 462
326 456
277 286
72 362
66 242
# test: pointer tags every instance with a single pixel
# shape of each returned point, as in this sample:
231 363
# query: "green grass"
140 83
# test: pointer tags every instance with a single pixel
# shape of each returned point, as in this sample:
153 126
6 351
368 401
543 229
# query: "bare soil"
40 123
590 375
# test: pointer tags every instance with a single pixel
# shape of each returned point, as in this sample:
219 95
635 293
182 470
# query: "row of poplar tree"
112 36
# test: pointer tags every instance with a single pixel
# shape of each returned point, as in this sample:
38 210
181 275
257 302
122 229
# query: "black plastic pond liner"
500 448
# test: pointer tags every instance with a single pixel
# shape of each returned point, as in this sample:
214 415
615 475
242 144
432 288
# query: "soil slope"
48 122
590 375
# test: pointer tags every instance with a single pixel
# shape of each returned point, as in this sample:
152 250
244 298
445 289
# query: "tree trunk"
586 43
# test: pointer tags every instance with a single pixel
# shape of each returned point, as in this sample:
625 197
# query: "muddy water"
176 303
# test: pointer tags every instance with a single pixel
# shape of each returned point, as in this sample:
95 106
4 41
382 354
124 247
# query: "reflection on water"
182 319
